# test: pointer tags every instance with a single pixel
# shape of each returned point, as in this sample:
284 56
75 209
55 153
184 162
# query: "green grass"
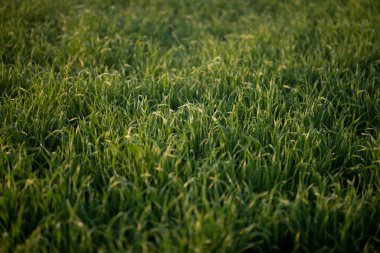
189 126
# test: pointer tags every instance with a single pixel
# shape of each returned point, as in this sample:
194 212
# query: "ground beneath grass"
189 126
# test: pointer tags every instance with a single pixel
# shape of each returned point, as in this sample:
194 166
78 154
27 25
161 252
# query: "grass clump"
189 126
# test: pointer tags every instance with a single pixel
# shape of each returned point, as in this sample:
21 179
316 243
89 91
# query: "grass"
189 126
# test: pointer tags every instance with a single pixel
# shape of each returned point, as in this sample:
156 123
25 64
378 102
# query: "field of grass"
189 126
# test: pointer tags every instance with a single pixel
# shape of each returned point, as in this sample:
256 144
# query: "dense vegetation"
189 126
